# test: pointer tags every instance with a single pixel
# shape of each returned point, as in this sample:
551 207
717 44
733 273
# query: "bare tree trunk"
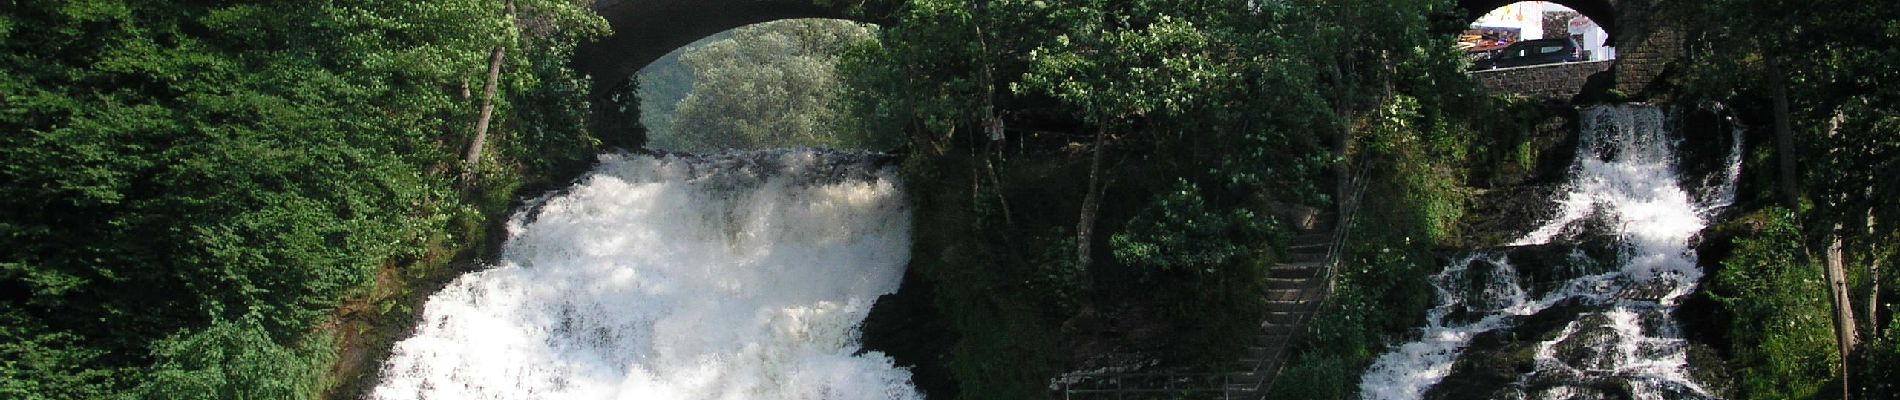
1091 202
488 100
1873 292
1873 281
1784 139
1836 273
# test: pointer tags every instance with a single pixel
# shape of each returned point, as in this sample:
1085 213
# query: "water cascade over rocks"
1581 307
727 276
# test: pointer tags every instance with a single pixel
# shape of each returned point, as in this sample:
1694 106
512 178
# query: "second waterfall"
1582 305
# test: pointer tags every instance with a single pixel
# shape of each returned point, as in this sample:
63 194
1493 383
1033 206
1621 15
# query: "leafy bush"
235 360
1179 234
1781 338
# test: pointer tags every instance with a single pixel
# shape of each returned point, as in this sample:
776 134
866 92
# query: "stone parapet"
1551 81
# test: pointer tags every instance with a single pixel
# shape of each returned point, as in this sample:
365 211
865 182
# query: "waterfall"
1620 331
729 276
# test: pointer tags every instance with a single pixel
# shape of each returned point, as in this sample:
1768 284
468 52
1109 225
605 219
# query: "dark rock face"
1503 364
1588 249
1708 135
1498 215
1493 364
908 327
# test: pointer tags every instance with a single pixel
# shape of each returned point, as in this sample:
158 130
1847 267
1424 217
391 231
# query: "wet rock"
1588 346
1702 157
1710 369
908 327
1504 214
1492 363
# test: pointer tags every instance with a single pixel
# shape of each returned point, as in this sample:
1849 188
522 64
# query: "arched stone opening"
644 30
1601 11
1519 47
768 85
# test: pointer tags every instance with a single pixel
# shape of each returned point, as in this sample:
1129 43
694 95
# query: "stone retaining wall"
1554 81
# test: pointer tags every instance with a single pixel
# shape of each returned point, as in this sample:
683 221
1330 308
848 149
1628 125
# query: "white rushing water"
1625 171
733 276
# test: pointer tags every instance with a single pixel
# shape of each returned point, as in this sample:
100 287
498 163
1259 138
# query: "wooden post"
1836 274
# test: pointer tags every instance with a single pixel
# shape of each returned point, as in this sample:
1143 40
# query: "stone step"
1296 247
1294 270
1284 317
1286 283
1248 376
1285 294
1321 237
1304 257
1272 341
1259 352
1281 330
1287 306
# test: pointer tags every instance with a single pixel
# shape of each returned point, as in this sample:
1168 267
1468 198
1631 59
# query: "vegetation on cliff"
1179 123
189 190
1812 80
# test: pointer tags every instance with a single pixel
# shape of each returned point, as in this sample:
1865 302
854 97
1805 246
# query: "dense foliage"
1823 70
1781 340
1207 113
189 189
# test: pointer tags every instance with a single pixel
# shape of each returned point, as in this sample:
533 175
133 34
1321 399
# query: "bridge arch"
645 30
1603 12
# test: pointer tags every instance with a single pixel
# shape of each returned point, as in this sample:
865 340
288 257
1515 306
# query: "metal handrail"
1261 384
1334 253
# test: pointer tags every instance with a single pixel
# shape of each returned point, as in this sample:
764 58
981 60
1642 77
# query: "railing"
1257 381
1159 385
1329 269
1347 207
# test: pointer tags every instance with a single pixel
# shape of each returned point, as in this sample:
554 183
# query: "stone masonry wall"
1556 81
1647 43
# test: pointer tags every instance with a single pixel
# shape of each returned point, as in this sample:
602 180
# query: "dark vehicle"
1531 52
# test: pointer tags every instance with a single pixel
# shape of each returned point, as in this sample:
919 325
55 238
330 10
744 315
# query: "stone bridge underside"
644 30
1603 12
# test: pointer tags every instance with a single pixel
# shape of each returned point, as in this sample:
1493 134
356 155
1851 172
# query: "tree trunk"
1836 273
488 100
1873 293
1784 139
1091 202
1873 280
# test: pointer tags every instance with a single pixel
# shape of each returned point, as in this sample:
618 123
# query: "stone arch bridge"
645 30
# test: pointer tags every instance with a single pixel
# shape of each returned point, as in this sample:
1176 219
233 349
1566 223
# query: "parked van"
1532 52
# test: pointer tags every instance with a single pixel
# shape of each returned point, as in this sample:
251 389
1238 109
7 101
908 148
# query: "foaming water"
730 276
1625 176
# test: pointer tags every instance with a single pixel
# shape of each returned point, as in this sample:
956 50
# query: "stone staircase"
1294 288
